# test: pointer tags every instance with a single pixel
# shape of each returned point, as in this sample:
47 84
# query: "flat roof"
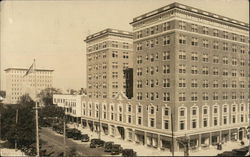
190 9
109 31
25 69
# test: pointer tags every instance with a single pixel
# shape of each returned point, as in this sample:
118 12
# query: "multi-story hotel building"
196 65
191 79
17 85
108 53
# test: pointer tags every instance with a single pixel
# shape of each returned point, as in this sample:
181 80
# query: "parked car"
85 138
116 149
108 146
128 153
96 143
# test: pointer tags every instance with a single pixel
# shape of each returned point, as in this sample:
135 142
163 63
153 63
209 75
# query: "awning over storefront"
165 138
138 132
104 125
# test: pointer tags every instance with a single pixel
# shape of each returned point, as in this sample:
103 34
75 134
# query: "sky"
53 32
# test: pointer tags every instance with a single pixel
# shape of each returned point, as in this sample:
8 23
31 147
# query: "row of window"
194 96
194 70
194 83
194 57
118 114
106 44
194 28
194 41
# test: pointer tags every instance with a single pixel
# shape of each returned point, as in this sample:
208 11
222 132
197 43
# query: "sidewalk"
10 152
147 151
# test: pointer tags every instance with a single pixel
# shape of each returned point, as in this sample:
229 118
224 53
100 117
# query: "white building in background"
17 85
72 104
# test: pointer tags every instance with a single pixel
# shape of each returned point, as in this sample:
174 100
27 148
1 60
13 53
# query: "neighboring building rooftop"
190 9
9 69
109 31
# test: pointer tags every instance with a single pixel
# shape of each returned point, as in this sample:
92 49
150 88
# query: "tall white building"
17 85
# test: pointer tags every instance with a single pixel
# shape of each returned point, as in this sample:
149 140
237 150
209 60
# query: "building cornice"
193 10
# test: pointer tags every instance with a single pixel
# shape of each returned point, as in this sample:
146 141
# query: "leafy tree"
46 95
23 132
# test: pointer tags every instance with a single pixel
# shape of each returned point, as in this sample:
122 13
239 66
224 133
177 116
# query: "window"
194 56
224 119
166 82
166 55
205 30
233 119
205 70
182 82
182 68
225 72
166 124
151 43
216 45
194 83
205 58
225 96
166 26
114 54
225 46
234 48
205 122
194 28
215 121
194 123
235 37
182 96
166 96
205 43
129 119
242 49
139 109
242 38
139 96
194 96
182 25
205 96
216 33
194 70
205 84
215 71
234 61
139 46
182 39
166 69
194 41
139 120
242 62
182 125
182 54
166 40
166 111
234 84
225 35
152 122
215 96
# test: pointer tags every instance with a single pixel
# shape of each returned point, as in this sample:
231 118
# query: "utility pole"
172 129
16 129
64 132
37 128
99 116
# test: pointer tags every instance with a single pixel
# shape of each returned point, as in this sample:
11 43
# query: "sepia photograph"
124 78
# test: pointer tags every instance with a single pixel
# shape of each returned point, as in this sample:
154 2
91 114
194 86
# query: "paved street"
55 142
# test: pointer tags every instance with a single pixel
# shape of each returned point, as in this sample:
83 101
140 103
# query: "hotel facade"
17 85
190 79
109 52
